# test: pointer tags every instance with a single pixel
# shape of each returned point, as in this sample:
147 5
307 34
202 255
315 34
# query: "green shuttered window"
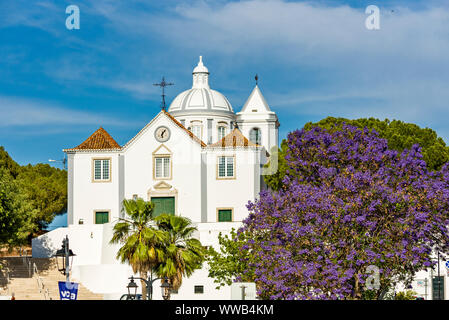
101 217
224 215
163 205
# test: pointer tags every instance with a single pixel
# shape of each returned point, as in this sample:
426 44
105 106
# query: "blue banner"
68 290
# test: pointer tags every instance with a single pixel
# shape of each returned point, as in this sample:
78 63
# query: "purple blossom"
349 202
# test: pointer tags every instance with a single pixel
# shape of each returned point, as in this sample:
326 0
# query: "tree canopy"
30 197
230 263
16 213
399 135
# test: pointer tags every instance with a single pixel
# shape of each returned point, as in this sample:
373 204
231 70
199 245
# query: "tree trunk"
357 295
143 285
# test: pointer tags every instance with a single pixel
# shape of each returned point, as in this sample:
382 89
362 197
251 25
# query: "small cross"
257 78
163 84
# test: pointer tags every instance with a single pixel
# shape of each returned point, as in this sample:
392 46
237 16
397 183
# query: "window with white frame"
197 129
255 136
221 132
162 167
101 170
226 167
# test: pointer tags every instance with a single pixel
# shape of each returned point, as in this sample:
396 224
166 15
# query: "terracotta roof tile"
99 140
234 139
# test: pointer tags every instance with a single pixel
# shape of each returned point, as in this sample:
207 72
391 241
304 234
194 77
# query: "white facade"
101 174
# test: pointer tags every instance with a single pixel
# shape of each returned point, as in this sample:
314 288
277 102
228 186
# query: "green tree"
16 214
274 181
45 188
399 135
228 264
183 253
405 295
143 244
41 188
8 164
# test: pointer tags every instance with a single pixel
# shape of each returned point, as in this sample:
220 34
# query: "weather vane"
163 84
257 78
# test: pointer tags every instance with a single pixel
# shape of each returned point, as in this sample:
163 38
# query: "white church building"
199 159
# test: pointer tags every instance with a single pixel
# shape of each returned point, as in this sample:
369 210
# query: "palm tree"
183 253
143 243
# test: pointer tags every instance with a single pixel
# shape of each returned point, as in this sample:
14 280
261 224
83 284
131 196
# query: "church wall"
231 193
89 196
185 178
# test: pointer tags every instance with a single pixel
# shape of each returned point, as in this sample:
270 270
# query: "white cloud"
300 32
16 111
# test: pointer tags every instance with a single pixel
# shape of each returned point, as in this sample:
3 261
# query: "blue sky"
314 59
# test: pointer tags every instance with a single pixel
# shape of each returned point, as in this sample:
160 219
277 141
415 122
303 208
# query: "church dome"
200 98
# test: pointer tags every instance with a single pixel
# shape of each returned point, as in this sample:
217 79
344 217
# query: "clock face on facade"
162 134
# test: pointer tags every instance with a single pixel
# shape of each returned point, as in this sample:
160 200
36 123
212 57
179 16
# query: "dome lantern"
201 98
200 75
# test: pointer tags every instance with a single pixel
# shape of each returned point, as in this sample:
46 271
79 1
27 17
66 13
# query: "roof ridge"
99 140
254 95
234 139
194 137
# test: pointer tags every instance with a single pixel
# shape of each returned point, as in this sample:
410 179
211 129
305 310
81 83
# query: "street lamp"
132 289
63 161
166 288
148 284
63 261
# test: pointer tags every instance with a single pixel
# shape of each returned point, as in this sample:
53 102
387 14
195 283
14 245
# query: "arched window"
197 129
255 136
221 132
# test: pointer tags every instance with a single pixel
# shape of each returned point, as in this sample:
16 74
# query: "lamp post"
64 255
132 289
166 287
149 284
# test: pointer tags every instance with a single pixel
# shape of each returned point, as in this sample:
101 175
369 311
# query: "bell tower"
257 122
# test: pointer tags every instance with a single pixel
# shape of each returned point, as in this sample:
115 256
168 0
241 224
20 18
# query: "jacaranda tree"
350 207
399 135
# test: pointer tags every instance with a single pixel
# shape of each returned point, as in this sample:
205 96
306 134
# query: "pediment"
162 185
162 150
161 119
